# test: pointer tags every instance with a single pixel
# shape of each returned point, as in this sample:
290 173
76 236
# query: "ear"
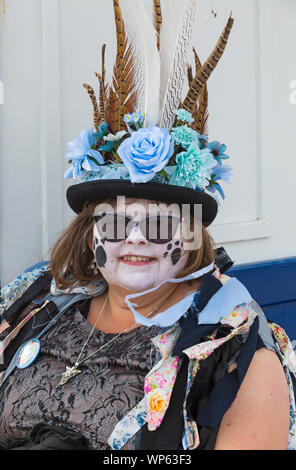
90 241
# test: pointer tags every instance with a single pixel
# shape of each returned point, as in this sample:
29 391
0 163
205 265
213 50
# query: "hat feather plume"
103 89
200 111
93 99
122 92
204 73
175 39
143 36
157 15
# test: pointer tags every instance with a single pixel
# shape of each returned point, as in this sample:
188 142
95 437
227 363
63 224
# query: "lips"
136 260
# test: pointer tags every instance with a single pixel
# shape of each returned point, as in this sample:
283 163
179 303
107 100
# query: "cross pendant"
68 374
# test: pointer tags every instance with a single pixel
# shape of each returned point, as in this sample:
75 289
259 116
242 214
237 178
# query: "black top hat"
92 191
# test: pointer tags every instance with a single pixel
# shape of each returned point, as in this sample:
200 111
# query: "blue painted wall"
273 285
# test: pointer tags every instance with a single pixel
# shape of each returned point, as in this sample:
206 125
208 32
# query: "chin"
138 286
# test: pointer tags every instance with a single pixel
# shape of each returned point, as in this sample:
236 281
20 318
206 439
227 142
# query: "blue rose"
146 153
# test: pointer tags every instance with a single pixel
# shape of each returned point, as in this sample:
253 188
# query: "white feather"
142 34
175 40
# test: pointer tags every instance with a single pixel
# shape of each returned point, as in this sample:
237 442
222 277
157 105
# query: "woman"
132 337
37 413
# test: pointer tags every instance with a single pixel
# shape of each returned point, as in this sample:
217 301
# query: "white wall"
48 48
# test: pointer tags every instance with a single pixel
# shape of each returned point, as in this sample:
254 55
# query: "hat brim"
97 190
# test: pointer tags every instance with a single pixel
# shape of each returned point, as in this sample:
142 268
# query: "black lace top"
110 385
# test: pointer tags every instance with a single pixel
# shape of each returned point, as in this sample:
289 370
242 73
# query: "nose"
136 237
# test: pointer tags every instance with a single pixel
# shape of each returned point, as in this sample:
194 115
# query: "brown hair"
71 256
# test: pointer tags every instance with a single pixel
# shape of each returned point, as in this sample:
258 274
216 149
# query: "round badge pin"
27 353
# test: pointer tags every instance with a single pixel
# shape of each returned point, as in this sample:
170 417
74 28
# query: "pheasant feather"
122 95
200 112
189 75
206 70
96 113
102 86
157 20
202 115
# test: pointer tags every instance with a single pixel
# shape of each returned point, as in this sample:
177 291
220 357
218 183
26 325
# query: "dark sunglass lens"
161 229
112 227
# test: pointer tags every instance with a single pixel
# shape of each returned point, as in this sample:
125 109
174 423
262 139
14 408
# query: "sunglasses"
156 229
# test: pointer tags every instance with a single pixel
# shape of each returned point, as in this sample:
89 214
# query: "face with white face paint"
136 263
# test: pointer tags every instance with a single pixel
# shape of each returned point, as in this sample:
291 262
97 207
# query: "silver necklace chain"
72 371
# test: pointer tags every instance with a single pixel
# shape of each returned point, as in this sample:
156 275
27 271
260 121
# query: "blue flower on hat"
128 118
218 150
194 168
146 153
220 172
184 136
134 121
82 156
138 117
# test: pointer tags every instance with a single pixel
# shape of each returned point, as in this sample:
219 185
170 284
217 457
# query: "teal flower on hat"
101 131
82 156
184 136
184 115
194 168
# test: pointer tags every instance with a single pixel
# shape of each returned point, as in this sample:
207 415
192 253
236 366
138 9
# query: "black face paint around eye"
101 257
176 255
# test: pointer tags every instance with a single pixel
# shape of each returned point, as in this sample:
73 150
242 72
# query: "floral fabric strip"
285 345
14 333
292 428
238 315
160 381
18 286
92 288
156 398
128 426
